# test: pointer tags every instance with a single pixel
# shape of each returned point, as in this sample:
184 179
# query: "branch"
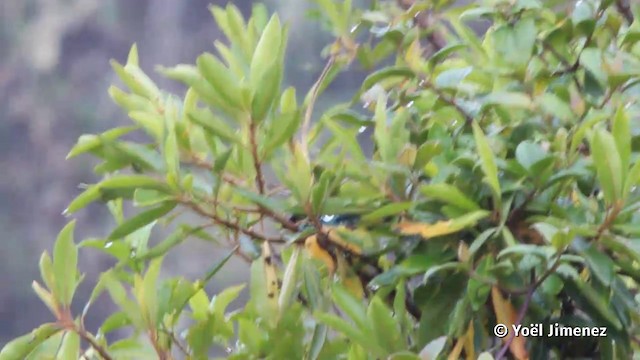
608 221
624 9
256 158
448 100
176 341
202 164
225 223
86 336
66 322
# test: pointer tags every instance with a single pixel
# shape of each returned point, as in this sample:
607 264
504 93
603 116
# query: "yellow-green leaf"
608 167
266 50
65 261
487 162
21 347
142 219
441 228
507 316
70 347
220 77
449 194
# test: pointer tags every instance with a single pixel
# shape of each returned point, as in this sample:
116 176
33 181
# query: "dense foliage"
502 189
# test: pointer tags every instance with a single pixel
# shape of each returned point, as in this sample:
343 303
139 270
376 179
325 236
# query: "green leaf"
258 288
351 307
263 56
266 91
221 79
385 326
46 297
515 42
149 300
386 73
46 271
601 264
289 281
118 294
433 349
385 211
21 347
452 78
608 166
487 162
65 262
312 286
199 304
90 142
441 54
70 347
353 333
621 131
591 59
132 182
593 302
317 341
129 102
449 194
551 104
478 291
508 99
221 301
136 80
141 219
632 178
169 242
213 125
529 153
85 198
481 239
151 122
303 181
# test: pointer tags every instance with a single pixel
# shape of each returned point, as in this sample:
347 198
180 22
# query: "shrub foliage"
501 189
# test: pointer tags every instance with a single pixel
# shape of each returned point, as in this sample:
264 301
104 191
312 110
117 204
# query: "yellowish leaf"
440 228
427 231
315 251
457 349
469 348
334 236
463 252
506 315
270 275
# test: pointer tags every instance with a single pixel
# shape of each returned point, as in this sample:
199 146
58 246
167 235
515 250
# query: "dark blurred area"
54 75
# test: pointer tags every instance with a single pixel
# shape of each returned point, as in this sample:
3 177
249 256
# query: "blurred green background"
54 75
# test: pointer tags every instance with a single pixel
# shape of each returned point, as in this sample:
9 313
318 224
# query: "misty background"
54 75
